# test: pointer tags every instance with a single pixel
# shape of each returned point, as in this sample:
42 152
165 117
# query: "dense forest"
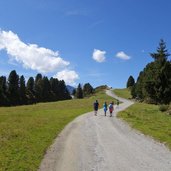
154 82
15 91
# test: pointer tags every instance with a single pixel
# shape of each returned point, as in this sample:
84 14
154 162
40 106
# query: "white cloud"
31 55
123 55
99 55
69 76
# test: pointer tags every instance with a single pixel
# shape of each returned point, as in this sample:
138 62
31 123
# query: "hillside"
148 119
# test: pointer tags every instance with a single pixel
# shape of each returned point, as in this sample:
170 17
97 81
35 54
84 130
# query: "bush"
163 108
169 111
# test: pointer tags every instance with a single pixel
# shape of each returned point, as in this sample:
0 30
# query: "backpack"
110 106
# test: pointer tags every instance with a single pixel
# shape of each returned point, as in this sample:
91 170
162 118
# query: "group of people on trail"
105 107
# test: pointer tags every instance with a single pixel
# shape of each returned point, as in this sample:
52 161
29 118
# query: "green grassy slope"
27 131
149 120
125 93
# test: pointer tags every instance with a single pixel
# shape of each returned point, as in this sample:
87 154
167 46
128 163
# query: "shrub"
163 108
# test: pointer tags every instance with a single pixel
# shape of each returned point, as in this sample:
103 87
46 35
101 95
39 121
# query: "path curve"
99 143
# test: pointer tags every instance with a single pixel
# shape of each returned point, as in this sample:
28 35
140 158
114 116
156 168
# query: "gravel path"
99 143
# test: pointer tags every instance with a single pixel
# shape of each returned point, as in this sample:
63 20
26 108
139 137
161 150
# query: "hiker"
111 108
105 108
96 106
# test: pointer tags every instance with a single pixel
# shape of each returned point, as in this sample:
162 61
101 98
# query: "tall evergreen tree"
38 87
79 92
63 91
13 88
3 92
54 83
162 52
46 90
130 82
22 90
87 89
30 91
154 83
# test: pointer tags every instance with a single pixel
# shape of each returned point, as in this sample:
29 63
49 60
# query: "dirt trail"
99 143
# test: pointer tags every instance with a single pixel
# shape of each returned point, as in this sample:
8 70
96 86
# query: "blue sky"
95 41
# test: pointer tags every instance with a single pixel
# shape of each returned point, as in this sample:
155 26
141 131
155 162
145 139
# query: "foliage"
27 131
4 101
22 90
16 92
79 92
13 88
154 82
87 89
130 82
163 108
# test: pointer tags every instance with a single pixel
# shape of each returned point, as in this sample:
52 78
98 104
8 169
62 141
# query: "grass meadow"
148 119
125 93
27 131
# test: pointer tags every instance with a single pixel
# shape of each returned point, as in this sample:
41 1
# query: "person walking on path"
105 108
111 108
96 106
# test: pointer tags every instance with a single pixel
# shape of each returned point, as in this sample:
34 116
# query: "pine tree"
38 87
87 89
22 90
154 83
63 91
162 52
3 92
13 88
30 91
130 82
46 90
79 92
54 83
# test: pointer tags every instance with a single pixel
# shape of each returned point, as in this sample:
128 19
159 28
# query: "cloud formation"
123 55
31 55
69 76
99 55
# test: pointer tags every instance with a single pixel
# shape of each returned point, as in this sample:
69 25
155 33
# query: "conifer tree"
54 83
130 82
46 90
79 92
13 88
38 87
30 91
22 90
87 89
154 83
3 92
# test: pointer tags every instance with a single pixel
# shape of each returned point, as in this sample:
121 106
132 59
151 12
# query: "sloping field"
27 131
148 119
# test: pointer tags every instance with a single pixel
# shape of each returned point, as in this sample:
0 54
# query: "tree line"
81 92
15 91
153 84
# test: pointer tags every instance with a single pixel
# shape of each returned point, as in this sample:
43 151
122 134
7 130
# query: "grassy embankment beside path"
148 119
125 93
27 131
